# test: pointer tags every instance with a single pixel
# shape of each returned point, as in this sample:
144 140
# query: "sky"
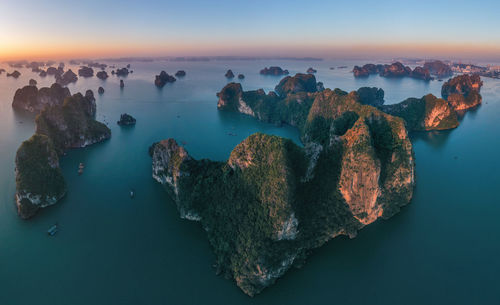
40 29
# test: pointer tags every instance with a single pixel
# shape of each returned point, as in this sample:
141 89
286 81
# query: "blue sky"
249 27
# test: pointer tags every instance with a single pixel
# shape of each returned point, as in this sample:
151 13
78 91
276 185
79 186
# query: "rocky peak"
298 83
31 99
462 92
371 96
229 96
39 181
163 78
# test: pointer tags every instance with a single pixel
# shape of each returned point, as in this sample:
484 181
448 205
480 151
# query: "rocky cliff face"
163 78
31 99
66 78
426 113
39 181
462 92
371 96
273 201
298 83
72 125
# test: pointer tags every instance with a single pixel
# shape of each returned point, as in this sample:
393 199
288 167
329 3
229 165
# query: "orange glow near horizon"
35 51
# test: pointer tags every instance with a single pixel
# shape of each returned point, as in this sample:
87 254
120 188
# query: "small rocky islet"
163 78
229 74
85 71
274 70
103 75
180 73
126 120
14 74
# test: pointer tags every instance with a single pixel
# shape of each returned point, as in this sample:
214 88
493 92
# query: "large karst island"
63 122
273 201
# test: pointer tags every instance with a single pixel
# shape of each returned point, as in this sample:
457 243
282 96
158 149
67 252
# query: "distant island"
277 71
396 69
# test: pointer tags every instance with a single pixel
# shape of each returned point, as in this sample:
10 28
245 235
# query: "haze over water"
441 249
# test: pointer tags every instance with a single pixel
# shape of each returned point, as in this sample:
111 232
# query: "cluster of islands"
272 201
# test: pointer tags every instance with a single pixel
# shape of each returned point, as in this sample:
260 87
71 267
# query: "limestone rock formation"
393 70
229 74
14 74
180 73
102 75
277 71
462 92
298 83
66 78
438 68
164 78
39 181
122 72
126 119
72 124
31 99
273 201
371 96
86 72
426 113
421 73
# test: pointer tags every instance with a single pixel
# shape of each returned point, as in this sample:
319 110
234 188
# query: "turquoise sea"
444 248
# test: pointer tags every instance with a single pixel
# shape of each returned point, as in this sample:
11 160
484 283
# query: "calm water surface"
442 249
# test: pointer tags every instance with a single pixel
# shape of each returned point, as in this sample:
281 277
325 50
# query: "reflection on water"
435 139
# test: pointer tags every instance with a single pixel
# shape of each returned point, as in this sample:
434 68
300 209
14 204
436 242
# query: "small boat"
80 168
132 194
53 230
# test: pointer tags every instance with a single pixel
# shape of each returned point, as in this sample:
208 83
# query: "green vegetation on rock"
39 180
77 116
273 201
426 113
59 127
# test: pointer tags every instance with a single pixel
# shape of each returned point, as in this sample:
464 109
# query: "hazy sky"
63 28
